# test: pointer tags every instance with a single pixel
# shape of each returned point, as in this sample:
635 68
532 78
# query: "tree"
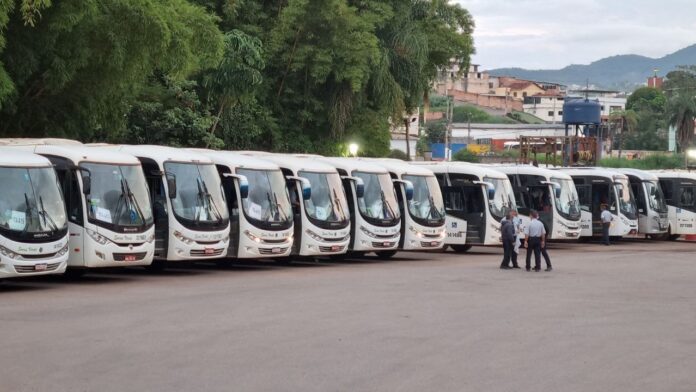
681 112
625 121
74 74
646 98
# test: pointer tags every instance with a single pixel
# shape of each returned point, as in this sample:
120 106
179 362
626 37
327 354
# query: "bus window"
666 186
686 197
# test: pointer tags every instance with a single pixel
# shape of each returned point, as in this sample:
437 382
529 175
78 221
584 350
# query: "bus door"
233 205
158 198
464 200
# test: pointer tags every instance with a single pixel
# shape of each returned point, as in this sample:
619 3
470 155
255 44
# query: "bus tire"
673 237
460 248
385 254
75 273
156 266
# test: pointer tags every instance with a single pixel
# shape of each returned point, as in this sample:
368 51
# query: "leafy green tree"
681 112
647 98
74 73
625 122
465 155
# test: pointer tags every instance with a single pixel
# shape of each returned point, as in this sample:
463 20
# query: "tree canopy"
288 75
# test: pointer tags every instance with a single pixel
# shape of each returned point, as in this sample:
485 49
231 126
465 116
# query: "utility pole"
448 131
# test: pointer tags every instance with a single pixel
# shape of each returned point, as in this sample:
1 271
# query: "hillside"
623 71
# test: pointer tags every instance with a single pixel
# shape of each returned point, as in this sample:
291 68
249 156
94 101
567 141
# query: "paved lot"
622 320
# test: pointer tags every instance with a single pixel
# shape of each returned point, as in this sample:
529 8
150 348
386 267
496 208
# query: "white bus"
110 221
191 217
374 209
551 193
650 201
421 205
33 222
679 189
597 187
261 218
319 205
476 200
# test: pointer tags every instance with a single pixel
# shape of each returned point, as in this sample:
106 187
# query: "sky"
550 34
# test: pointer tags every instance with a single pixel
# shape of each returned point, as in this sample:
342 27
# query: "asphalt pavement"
618 318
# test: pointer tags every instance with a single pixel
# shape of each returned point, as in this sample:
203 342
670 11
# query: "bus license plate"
276 250
386 244
433 243
40 267
129 258
209 251
335 248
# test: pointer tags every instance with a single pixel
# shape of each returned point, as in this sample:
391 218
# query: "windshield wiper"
46 216
434 213
275 208
337 207
389 208
207 201
131 201
28 215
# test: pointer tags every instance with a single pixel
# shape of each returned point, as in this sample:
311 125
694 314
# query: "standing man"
535 236
606 217
509 235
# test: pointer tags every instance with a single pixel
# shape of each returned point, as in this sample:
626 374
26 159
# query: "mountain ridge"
620 72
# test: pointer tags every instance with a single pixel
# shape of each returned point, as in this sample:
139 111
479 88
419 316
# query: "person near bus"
509 238
535 239
606 218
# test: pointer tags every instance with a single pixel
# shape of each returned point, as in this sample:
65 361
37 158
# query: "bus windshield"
328 202
31 201
656 199
268 199
379 199
567 203
199 197
627 203
504 198
118 195
427 203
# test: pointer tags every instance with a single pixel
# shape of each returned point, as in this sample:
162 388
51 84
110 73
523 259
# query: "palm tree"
626 121
681 111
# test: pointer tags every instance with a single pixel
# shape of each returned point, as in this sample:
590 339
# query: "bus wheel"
385 254
287 260
673 237
460 248
75 273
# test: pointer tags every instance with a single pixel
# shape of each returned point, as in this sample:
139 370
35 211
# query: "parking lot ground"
618 318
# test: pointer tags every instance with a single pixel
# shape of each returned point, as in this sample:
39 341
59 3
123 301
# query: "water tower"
586 117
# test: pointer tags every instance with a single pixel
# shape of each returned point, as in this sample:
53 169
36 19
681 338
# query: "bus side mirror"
171 187
306 189
557 191
243 184
86 184
490 187
359 185
408 188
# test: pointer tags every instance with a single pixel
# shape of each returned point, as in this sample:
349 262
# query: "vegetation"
465 155
466 113
651 162
286 75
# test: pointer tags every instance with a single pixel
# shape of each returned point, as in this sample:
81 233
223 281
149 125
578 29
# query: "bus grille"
36 257
122 256
269 251
203 253
24 269
328 249
383 244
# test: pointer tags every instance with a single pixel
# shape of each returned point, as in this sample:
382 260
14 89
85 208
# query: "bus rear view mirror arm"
305 185
243 184
408 188
359 185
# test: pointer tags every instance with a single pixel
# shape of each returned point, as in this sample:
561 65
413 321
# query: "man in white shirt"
606 217
535 239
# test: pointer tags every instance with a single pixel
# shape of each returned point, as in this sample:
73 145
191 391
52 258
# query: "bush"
465 155
398 154
651 162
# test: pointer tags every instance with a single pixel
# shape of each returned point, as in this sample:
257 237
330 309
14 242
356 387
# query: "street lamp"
353 149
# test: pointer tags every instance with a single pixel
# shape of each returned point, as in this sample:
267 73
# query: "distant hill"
617 72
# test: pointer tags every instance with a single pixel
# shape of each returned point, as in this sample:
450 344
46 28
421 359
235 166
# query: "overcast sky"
554 33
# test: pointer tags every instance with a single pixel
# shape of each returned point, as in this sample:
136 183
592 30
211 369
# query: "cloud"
556 33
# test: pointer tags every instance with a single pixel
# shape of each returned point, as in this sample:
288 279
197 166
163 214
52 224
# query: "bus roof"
160 154
674 174
531 170
11 157
297 164
399 167
81 153
350 164
235 160
641 174
592 171
462 168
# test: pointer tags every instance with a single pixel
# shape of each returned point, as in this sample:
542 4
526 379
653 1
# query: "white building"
547 108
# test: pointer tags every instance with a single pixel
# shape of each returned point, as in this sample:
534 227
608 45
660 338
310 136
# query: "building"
609 100
475 81
547 107
655 82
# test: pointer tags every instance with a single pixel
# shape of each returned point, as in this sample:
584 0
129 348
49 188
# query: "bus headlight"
416 232
183 238
252 236
97 237
368 232
151 237
314 235
63 250
8 253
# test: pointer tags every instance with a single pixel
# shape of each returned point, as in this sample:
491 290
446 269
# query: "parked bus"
549 192
680 196
476 200
261 217
319 205
190 212
110 221
597 187
372 201
650 202
33 221
421 205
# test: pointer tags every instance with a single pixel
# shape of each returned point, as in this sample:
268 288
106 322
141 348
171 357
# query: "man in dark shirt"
509 235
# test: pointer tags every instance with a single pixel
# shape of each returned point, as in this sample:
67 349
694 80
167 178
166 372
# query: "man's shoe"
548 269
505 267
537 269
516 267
528 269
